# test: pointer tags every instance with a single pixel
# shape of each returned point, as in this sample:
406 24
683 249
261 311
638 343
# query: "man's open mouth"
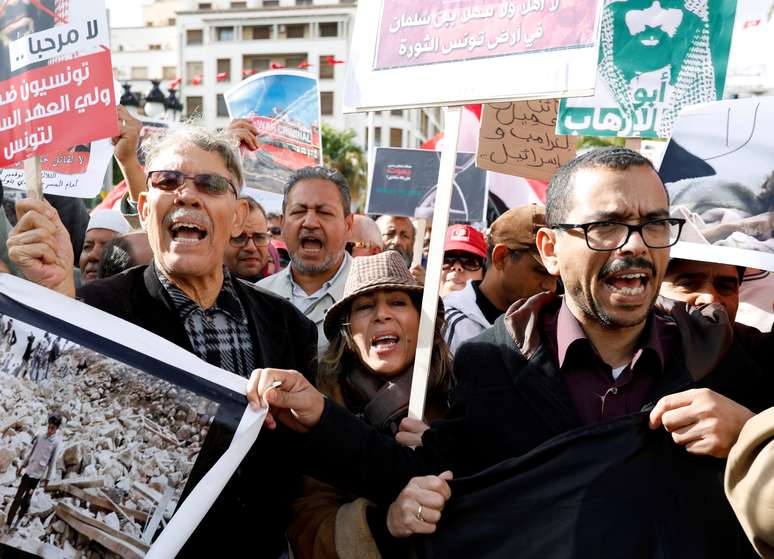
628 283
312 244
187 232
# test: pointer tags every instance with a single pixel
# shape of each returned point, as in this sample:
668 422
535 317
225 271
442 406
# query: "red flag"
247 73
196 80
275 66
220 76
305 64
174 83
751 23
332 61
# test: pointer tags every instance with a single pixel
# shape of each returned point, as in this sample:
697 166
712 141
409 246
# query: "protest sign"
284 105
450 52
137 432
76 171
720 177
404 182
655 58
55 71
518 138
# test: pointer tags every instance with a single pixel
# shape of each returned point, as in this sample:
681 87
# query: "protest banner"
450 51
655 58
135 435
284 105
404 182
75 171
718 170
55 71
518 138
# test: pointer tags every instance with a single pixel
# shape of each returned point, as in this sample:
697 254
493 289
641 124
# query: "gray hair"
194 134
254 206
320 173
365 229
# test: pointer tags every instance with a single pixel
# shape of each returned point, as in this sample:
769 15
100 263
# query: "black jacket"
612 490
253 511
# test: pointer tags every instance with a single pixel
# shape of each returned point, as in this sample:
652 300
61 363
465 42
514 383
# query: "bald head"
366 236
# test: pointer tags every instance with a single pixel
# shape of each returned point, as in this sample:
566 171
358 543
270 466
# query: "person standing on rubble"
39 464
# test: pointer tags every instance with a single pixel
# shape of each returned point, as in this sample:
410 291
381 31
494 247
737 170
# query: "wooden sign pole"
33 178
420 225
443 197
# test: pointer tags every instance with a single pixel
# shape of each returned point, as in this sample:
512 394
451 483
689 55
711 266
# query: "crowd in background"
546 324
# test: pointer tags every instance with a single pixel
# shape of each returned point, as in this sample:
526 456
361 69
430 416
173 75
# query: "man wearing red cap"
463 258
514 272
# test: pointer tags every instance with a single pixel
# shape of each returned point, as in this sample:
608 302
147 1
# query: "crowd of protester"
549 322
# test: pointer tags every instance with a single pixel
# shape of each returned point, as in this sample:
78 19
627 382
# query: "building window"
256 63
296 30
326 70
238 5
222 108
139 72
295 60
154 47
205 5
326 103
270 3
169 72
194 73
256 32
223 34
396 137
303 2
424 125
329 29
171 21
224 70
194 37
397 112
194 106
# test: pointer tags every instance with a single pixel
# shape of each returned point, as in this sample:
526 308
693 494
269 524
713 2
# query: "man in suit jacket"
186 295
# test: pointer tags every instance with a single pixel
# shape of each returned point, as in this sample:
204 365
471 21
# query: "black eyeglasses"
469 262
259 239
612 235
275 230
206 183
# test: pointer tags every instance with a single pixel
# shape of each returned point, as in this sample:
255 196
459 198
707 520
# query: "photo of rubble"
94 455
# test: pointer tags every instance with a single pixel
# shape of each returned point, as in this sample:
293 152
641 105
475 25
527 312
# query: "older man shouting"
186 295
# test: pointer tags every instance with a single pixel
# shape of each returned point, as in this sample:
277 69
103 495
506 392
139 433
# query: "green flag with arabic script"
655 57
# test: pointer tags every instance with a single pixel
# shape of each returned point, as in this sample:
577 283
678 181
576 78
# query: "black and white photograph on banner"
720 176
404 181
96 452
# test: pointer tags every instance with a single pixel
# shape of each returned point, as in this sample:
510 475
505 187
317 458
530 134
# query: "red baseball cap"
465 238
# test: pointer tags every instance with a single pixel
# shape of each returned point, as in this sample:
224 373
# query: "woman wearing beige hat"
367 367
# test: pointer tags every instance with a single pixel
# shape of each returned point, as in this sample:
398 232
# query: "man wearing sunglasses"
556 371
190 212
248 252
463 258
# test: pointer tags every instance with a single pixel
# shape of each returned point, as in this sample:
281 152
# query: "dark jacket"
510 398
610 490
253 511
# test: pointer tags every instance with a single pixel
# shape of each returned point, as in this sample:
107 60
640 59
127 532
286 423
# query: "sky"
125 14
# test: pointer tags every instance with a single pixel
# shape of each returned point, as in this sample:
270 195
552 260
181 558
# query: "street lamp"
155 102
173 104
130 100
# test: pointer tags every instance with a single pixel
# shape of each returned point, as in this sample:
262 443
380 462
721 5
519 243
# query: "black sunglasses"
259 239
275 230
206 183
469 262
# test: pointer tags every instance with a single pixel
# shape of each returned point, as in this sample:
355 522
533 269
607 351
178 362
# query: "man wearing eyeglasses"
556 371
248 252
190 212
